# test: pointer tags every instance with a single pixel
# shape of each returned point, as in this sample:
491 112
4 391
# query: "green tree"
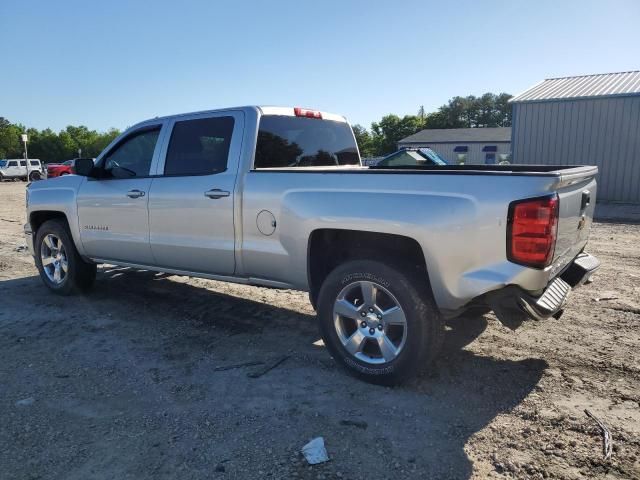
390 130
364 141
488 110
10 145
50 146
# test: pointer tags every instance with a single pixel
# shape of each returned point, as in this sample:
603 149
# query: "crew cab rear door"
191 200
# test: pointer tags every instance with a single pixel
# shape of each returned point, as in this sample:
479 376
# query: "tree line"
50 146
488 110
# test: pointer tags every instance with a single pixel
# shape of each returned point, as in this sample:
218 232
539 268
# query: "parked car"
277 197
412 156
16 169
59 169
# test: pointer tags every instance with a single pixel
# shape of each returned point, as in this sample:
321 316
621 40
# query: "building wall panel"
593 131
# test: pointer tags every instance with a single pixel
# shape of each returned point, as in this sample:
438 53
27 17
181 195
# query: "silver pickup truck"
278 197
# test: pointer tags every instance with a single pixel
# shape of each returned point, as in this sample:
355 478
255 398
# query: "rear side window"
199 147
304 142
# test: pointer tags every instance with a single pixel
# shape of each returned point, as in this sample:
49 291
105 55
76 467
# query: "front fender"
57 195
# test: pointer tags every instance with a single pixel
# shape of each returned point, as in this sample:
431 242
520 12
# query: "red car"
59 169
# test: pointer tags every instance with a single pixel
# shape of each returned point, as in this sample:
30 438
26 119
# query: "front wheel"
60 266
35 176
378 323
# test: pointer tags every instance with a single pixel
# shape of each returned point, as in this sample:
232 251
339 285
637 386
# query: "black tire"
80 275
35 176
424 324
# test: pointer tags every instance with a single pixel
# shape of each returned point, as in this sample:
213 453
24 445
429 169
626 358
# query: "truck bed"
484 169
515 170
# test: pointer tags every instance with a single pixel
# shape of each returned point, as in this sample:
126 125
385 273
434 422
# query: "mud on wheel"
378 323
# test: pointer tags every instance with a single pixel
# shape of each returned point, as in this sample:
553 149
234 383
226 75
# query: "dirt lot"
122 383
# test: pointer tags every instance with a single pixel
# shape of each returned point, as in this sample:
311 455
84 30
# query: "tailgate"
577 193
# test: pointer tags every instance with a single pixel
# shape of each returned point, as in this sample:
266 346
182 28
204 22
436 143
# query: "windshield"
3 163
285 141
433 156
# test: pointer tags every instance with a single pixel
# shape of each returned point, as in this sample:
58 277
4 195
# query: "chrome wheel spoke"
355 342
57 276
387 348
394 316
373 331
55 264
47 261
346 309
369 291
49 242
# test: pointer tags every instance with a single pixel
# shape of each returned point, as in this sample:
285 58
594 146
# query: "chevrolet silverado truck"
277 197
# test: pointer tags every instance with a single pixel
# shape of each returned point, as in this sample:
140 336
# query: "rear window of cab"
289 142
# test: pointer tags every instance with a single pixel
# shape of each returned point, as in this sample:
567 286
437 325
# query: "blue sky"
112 63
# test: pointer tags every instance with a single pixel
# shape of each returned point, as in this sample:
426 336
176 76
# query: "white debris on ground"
315 452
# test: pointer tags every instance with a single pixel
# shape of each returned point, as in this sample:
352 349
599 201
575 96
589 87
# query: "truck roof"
261 109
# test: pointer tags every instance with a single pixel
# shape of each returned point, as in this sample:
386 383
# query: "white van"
16 168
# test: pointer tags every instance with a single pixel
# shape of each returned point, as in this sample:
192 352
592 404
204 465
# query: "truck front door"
113 209
191 200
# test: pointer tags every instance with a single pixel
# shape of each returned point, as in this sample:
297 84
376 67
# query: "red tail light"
532 231
305 112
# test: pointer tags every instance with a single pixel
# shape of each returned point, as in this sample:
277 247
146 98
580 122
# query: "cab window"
199 147
132 156
285 142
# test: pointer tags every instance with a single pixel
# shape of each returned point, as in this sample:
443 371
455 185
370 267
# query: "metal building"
464 145
591 120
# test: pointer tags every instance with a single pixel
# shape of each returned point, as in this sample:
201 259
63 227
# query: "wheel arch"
37 218
328 248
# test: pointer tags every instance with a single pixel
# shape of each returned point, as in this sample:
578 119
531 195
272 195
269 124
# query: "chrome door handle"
216 193
135 193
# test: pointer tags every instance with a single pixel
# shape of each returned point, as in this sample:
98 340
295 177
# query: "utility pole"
25 139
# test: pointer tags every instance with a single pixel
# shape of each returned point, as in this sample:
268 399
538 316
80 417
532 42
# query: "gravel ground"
126 382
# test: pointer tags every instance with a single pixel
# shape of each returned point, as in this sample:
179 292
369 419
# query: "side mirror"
83 167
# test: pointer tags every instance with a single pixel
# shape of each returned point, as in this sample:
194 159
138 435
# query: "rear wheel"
378 323
61 267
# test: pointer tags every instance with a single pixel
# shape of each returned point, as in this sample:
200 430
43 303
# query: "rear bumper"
512 305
